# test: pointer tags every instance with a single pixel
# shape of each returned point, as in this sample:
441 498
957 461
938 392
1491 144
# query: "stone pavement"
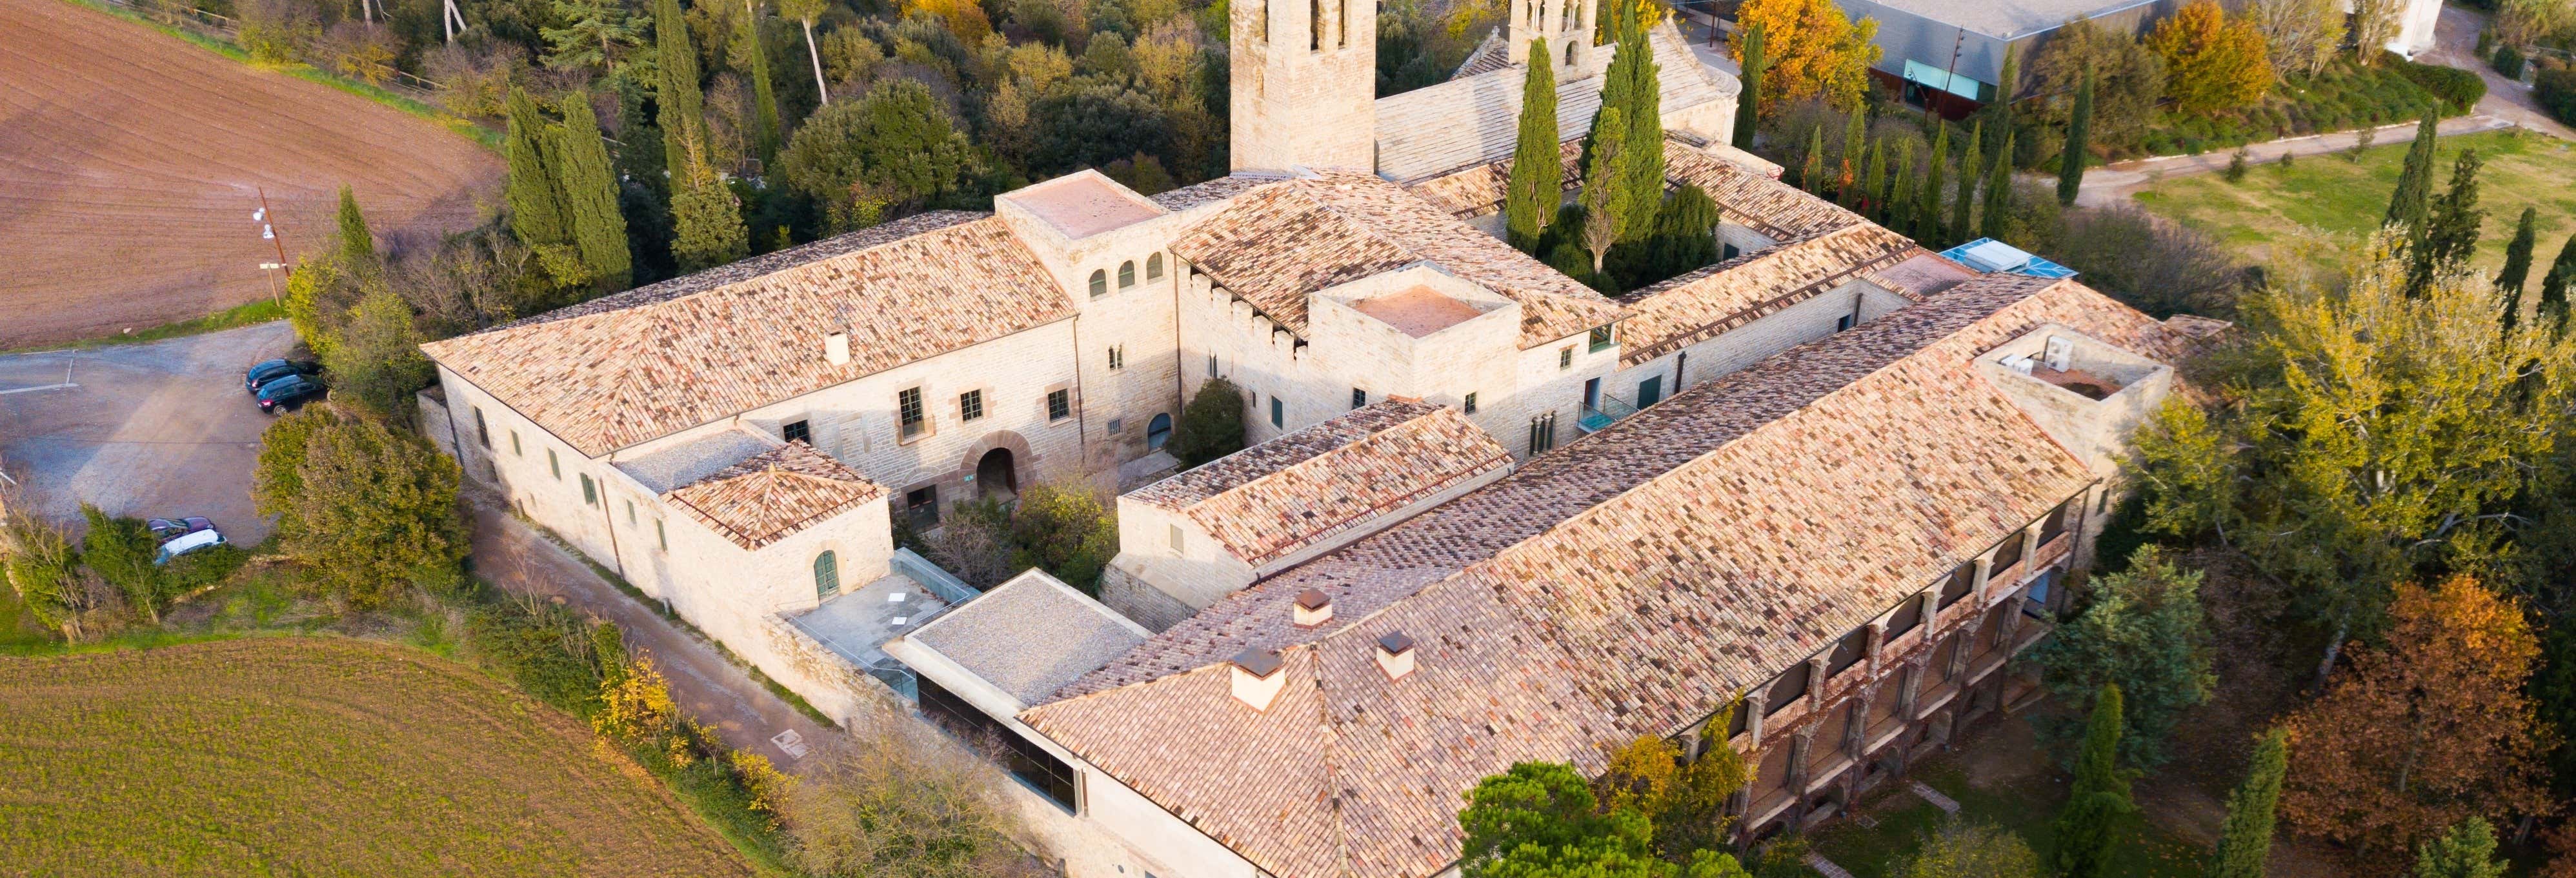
710 687
2455 43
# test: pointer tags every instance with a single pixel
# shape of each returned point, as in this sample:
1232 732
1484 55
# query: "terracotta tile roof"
1475 119
1283 495
1624 585
1277 244
624 369
1703 304
771 495
1776 209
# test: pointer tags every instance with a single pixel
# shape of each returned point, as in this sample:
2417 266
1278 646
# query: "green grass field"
2345 200
316 756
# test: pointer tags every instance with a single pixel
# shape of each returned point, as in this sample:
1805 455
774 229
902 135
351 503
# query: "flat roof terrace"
1083 205
1417 310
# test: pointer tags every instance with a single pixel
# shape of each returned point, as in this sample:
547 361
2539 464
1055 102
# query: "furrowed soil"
130 162
316 756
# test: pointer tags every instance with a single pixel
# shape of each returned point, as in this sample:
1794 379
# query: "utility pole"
268 229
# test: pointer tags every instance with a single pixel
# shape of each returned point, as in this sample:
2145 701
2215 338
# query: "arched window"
827 575
1158 432
1154 267
1127 274
1099 282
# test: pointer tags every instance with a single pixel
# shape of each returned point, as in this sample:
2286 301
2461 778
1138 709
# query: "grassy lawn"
2026 805
234 317
2345 200
316 755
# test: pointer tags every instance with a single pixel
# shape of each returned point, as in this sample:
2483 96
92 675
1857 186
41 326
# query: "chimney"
1313 608
1257 679
1395 655
836 349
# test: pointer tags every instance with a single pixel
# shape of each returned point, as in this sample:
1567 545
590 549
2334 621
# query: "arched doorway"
995 476
1158 432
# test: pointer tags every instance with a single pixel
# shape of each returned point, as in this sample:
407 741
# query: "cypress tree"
2079 133
1873 184
2451 231
1927 203
706 219
357 245
1847 177
682 107
1641 165
1900 195
536 205
2553 286
1971 163
2088 826
1811 173
1748 100
2413 199
1998 209
1603 212
2245 841
1538 178
764 100
2005 84
590 193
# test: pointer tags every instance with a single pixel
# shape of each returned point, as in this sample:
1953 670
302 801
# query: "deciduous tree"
2373 24
2245 840
2129 80
901 801
2299 36
38 561
121 551
805 12
377 361
1810 49
1065 532
2211 63
2424 732
1966 850
1537 182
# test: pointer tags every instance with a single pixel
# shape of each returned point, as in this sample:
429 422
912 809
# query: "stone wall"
1145 604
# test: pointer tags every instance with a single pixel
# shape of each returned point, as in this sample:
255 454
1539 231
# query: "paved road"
145 430
2455 43
511 554
2114 183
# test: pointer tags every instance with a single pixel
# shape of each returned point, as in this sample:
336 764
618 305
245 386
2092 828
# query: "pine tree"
1537 183
706 219
1971 164
2451 232
1748 100
764 99
1873 184
682 107
1641 165
1998 209
589 192
2553 286
1927 203
2245 841
357 245
2413 199
2088 827
2466 850
1847 175
2079 133
1811 173
536 203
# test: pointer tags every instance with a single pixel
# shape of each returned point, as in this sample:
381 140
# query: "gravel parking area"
144 430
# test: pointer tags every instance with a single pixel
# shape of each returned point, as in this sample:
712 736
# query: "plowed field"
316 756
130 162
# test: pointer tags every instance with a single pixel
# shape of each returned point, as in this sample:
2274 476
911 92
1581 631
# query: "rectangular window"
630 513
1211 365
1116 426
1059 405
1176 538
970 405
515 450
797 431
553 465
1358 397
1027 762
1117 357
907 404
1842 323
1908 615
1650 391
1787 689
1565 358
1962 581
1601 338
589 491
922 504
1278 414
1728 251
660 536
482 429
1470 405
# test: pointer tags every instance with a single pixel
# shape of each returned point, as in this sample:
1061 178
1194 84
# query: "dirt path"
711 688
2114 183
130 163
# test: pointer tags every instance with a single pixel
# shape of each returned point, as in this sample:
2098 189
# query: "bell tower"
1304 84
1567 25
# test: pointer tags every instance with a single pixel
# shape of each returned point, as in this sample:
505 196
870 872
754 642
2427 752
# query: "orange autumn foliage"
2211 63
1813 51
2424 732
965 18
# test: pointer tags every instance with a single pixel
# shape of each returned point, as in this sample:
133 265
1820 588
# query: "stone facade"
1304 80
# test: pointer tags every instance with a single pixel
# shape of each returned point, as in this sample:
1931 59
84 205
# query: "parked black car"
166 529
271 370
287 394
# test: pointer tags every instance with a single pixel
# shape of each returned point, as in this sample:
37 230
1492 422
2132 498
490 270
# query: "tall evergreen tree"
1748 100
1971 165
2088 826
1847 171
763 98
1537 183
2553 286
2413 200
1641 166
536 205
1873 183
2451 232
357 245
1998 208
589 184
1811 173
706 218
682 106
1900 194
1927 203
2466 850
2079 134
2007 83
1604 209
2245 841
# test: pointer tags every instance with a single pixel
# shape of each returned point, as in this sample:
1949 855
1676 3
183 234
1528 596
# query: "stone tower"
1567 25
1305 84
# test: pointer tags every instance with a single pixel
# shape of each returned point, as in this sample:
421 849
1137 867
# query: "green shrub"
2455 88
1212 426
2508 61
542 646
1066 532
2555 88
